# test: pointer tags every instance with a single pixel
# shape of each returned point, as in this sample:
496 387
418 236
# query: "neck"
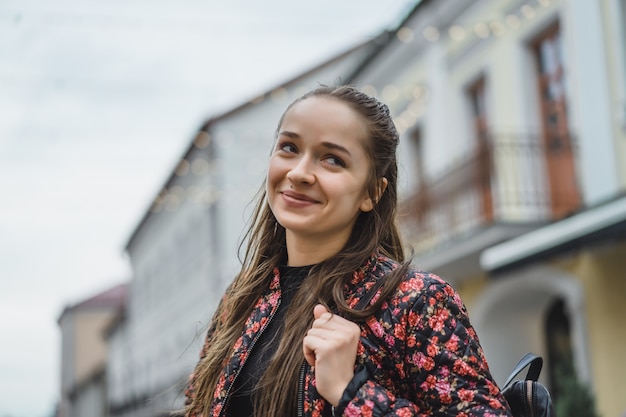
307 250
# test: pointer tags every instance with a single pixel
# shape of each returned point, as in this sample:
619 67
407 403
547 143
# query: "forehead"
326 113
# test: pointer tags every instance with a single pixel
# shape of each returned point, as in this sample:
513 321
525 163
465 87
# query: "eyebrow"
326 144
332 145
289 134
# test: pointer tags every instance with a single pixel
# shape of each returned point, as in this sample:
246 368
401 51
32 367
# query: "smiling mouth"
298 197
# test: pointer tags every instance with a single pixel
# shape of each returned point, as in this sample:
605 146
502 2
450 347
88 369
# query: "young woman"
326 317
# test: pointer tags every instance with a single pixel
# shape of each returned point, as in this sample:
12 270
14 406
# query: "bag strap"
367 297
535 362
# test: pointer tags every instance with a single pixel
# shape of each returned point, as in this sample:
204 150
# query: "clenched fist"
330 347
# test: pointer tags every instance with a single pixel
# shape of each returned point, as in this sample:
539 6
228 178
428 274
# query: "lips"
298 197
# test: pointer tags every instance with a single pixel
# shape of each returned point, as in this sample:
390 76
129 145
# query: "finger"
310 344
319 310
332 321
333 339
322 333
309 355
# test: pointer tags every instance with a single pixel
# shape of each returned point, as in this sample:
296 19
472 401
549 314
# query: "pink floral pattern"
422 353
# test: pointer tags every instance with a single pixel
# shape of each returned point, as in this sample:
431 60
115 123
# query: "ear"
369 203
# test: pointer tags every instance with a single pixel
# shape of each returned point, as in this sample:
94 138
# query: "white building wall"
118 377
91 399
590 109
615 45
243 143
439 114
171 293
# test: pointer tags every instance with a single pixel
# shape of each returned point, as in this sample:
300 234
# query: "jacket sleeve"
444 364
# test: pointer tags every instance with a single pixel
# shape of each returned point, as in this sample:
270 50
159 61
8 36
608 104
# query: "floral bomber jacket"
422 355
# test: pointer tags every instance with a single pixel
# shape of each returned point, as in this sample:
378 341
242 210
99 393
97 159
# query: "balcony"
507 186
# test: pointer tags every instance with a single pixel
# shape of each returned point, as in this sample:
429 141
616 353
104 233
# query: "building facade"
511 114
84 352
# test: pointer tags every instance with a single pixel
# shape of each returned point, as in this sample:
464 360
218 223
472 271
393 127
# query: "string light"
513 21
202 140
405 34
300 91
497 28
200 167
431 34
457 32
176 190
170 200
482 30
279 95
416 108
183 168
173 198
257 100
390 93
370 90
418 92
416 97
528 11
156 206
210 195
192 193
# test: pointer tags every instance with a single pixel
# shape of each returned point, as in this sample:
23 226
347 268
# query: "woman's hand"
330 347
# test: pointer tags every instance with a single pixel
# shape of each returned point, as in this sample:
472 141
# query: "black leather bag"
527 397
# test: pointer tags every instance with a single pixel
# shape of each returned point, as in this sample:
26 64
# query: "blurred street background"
134 134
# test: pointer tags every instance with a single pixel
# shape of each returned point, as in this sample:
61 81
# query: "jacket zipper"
529 397
303 371
258 336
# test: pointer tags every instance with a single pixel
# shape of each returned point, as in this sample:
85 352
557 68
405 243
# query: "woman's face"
319 170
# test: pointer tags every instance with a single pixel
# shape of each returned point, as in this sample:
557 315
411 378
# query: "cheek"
350 192
276 172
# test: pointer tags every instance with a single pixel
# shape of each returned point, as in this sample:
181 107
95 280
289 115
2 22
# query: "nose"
302 171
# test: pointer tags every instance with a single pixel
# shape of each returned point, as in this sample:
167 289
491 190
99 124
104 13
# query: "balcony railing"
505 179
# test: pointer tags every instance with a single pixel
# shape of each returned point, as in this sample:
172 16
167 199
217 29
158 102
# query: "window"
556 139
418 158
476 94
478 105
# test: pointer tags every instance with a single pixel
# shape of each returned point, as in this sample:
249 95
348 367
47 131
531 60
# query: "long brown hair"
277 393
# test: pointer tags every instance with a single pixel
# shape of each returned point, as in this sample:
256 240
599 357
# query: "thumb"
318 310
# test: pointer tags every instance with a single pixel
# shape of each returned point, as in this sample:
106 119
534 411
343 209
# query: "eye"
335 161
287 147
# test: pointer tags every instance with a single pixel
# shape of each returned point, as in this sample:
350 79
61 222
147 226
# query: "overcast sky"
98 100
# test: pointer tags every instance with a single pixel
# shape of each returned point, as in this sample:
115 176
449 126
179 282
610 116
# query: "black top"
241 400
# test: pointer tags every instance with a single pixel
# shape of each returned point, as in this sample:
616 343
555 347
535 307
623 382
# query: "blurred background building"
84 352
514 151
513 167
